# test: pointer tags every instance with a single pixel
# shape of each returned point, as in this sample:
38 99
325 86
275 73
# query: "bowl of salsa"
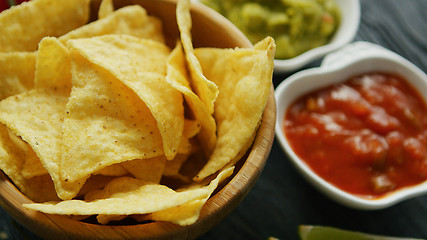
355 127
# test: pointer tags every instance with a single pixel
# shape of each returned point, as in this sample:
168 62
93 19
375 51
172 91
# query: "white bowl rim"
350 20
353 59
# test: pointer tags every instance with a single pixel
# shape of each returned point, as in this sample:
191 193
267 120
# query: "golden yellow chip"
244 79
106 123
189 212
17 73
205 89
53 65
150 169
37 117
109 114
178 77
126 196
32 166
113 170
93 183
12 160
105 8
23 26
173 166
131 20
141 65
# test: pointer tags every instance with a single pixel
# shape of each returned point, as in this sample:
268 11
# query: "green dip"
295 25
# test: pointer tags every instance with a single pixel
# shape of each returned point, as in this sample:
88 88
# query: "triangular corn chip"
23 26
106 123
243 95
178 77
37 117
141 65
12 159
131 20
17 73
105 8
126 196
53 65
204 88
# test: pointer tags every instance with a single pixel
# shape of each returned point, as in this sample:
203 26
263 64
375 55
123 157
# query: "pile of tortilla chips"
103 118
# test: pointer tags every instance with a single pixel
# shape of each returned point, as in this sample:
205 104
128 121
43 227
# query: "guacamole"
296 25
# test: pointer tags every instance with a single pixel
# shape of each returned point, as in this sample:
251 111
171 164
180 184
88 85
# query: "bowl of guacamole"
298 26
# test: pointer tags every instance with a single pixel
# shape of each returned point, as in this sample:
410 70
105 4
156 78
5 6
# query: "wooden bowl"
209 29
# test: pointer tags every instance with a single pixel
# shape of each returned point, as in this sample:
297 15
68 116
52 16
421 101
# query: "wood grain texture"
209 29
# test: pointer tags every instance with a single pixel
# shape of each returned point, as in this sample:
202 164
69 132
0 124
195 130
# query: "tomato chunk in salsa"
367 135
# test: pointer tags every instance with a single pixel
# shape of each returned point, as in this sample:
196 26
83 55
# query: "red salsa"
367 135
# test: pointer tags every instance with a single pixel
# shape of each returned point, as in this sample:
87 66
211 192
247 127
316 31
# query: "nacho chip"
23 26
106 123
172 167
177 76
105 8
12 160
32 165
131 20
204 88
37 117
113 170
94 183
17 73
53 65
150 170
141 65
242 99
189 212
126 196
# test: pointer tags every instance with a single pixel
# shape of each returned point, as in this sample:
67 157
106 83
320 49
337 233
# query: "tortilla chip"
37 117
53 65
141 65
114 170
126 196
178 77
94 182
12 160
243 95
131 20
106 123
204 88
23 26
105 8
17 73
32 166
191 128
150 170
172 167
189 212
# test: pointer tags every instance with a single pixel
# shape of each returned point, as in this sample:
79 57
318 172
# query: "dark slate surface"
281 199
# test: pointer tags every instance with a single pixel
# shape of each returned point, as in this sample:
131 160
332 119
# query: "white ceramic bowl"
350 19
354 59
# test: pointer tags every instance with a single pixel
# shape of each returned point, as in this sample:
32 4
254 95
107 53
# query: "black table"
281 199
